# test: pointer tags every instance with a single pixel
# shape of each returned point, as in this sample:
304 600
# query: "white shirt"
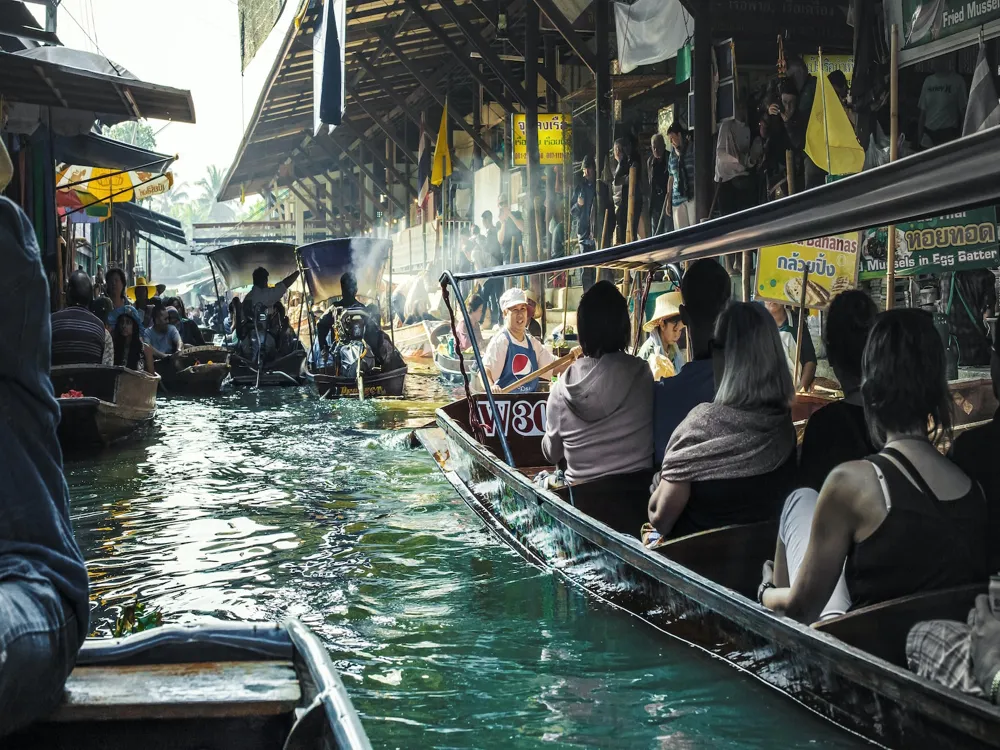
942 100
261 296
496 354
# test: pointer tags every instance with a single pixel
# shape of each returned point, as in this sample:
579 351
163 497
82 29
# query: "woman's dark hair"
904 386
602 320
116 272
474 303
130 358
848 322
676 127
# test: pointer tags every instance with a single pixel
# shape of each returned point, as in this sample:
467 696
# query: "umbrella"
113 184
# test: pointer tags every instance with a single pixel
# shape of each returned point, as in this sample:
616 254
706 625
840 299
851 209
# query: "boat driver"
262 294
514 353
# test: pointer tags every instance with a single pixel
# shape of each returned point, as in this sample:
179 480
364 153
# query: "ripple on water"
273 505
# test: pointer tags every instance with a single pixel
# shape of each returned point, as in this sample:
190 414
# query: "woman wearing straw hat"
661 349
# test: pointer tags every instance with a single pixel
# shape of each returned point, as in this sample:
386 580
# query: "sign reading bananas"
832 263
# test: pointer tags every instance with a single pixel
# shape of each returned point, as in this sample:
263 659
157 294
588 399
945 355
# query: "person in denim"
43 581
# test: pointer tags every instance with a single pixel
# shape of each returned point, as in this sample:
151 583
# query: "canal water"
262 506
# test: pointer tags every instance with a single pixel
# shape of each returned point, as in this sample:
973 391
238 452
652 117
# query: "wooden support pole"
704 144
890 236
602 86
803 314
531 128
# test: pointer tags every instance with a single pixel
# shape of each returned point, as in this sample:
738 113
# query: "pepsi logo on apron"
520 361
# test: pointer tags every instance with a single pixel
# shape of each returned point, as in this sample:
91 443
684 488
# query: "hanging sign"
843 63
555 132
929 28
954 242
832 263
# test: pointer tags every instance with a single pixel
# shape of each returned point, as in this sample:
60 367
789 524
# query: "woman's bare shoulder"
852 485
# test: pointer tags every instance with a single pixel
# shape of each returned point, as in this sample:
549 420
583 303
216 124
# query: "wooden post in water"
890 236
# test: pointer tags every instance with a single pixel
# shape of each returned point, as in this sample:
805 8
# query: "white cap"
512 297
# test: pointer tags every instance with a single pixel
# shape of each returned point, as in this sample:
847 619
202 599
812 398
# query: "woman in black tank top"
903 521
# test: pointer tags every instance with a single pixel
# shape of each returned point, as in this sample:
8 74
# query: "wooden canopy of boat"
236 263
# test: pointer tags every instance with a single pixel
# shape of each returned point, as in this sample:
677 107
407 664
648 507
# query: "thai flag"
423 167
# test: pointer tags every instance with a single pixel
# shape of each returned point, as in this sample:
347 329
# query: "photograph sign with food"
832 263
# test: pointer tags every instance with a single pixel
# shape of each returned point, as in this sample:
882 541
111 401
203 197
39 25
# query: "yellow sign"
832 263
553 131
843 63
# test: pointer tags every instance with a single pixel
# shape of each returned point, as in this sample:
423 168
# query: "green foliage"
132 132
134 618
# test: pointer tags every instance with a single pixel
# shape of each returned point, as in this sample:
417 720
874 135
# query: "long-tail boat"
253 686
196 370
100 405
323 263
236 264
702 588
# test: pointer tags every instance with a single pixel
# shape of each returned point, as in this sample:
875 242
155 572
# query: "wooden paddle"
539 372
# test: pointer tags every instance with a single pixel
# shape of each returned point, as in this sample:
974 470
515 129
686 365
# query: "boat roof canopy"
324 262
236 263
952 177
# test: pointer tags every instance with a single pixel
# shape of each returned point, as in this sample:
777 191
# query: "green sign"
926 21
947 243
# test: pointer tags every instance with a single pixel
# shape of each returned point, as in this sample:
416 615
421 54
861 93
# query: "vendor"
534 313
662 350
514 353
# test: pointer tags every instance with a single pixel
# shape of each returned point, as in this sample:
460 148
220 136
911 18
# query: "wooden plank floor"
167 691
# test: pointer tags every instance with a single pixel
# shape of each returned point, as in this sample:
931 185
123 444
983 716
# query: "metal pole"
826 127
703 143
890 236
221 328
602 117
447 278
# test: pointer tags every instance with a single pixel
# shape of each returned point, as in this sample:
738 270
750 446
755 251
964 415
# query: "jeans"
492 289
39 639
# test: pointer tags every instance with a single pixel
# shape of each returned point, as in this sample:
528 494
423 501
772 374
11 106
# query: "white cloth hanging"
650 31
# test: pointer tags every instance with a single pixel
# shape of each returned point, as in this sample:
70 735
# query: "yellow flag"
846 154
442 156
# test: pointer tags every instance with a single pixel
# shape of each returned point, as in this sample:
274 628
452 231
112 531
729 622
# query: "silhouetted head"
348 286
79 289
260 276
602 320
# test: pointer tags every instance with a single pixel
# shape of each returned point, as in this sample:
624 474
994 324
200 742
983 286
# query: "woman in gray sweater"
599 423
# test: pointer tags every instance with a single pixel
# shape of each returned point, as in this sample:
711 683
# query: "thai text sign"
843 63
946 243
554 134
832 263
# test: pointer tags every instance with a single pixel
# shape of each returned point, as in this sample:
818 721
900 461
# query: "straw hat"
141 281
511 298
667 306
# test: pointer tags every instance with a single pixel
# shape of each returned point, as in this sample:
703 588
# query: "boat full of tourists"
101 404
249 685
704 587
351 356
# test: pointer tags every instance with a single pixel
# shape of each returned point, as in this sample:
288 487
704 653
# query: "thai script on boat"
525 418
933 238
818 267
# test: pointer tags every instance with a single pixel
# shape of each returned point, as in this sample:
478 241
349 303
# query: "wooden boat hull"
286 371
196 371
414 341
255 686
384 385
702 598
115 403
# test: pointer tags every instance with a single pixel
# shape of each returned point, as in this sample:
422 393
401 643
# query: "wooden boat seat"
207 690
881 629
731 556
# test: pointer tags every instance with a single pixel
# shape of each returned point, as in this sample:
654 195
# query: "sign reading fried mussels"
946 243
554 135
832 263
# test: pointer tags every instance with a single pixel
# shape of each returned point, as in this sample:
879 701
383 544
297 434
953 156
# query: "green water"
264 506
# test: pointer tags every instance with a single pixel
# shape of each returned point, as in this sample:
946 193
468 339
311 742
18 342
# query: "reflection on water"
272 505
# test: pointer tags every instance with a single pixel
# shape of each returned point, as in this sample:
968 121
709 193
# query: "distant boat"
247 685
99 404
196 370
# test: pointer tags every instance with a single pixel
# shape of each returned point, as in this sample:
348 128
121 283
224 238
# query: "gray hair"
756 372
